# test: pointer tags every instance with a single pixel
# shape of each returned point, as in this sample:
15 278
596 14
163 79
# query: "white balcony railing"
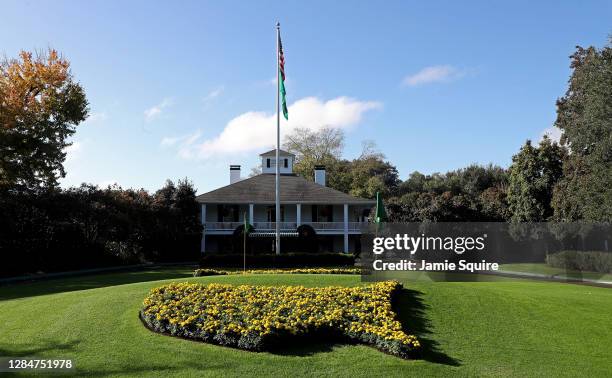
285 226
267 226
221 226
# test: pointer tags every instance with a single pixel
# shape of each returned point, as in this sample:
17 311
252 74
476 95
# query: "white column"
346 243
251 213
298 214
203 220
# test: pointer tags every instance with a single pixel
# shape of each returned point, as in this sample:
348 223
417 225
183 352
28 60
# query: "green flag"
381 215
281 78
247 227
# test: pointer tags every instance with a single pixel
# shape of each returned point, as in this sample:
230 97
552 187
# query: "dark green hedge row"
88 227
285 260
593 261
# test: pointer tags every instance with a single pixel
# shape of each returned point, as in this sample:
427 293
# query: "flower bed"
216 272
258 317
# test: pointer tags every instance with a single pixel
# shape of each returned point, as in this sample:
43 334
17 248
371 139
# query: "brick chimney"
234 173
319 174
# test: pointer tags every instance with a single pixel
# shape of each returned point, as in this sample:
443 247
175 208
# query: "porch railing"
285 226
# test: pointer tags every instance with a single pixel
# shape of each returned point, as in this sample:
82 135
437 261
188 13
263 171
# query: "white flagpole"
277 217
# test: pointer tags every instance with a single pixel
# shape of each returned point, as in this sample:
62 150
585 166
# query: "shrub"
89 227
208 272
214 272
594 261
258 317
285 260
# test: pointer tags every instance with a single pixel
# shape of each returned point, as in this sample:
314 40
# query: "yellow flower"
218 309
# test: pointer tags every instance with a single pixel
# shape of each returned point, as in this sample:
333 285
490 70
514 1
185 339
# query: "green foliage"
370 174
361 177
533 174
88 227
312 148
475 193
584 115
40 107
178 222
589 261
209 272
471 180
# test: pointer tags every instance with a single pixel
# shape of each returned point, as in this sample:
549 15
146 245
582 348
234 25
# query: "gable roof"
281 152
260 189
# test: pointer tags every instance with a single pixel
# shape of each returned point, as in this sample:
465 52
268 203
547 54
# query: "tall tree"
40 106
370 173
533 174
323 147
584 115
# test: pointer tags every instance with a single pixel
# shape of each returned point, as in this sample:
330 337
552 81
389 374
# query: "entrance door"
271 213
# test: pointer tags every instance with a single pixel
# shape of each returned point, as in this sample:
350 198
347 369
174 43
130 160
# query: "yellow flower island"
257 317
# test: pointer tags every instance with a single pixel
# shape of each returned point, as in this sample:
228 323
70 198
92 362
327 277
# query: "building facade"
312 216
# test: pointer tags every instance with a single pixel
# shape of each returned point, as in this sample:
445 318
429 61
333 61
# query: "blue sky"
184 89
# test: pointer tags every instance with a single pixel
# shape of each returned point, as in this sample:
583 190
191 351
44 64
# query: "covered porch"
325 219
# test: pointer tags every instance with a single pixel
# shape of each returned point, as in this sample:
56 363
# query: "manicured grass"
505 328
555 272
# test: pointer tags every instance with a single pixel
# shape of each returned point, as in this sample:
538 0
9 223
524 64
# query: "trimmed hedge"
286 260
215 272
592 261
260 318
59 230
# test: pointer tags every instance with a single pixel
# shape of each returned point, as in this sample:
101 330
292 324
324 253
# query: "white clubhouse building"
329 219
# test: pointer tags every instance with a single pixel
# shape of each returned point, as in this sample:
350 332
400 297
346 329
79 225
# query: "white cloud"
433 74
155 111
169 141
184 143
213 94
254 131
554 133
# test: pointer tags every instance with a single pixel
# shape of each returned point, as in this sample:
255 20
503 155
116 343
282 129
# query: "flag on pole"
281 77
280 90
381 214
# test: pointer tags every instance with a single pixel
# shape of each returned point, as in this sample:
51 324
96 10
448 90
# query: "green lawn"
517 328
548 270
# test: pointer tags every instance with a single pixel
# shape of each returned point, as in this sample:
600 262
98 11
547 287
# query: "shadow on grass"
38 349
411 311
304 346
74 283
67 350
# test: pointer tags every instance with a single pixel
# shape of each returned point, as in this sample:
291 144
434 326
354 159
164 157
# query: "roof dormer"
268 162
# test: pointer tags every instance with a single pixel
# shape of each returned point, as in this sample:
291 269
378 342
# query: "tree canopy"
361 177
533 175
475 193
323 147
584 114
40 106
